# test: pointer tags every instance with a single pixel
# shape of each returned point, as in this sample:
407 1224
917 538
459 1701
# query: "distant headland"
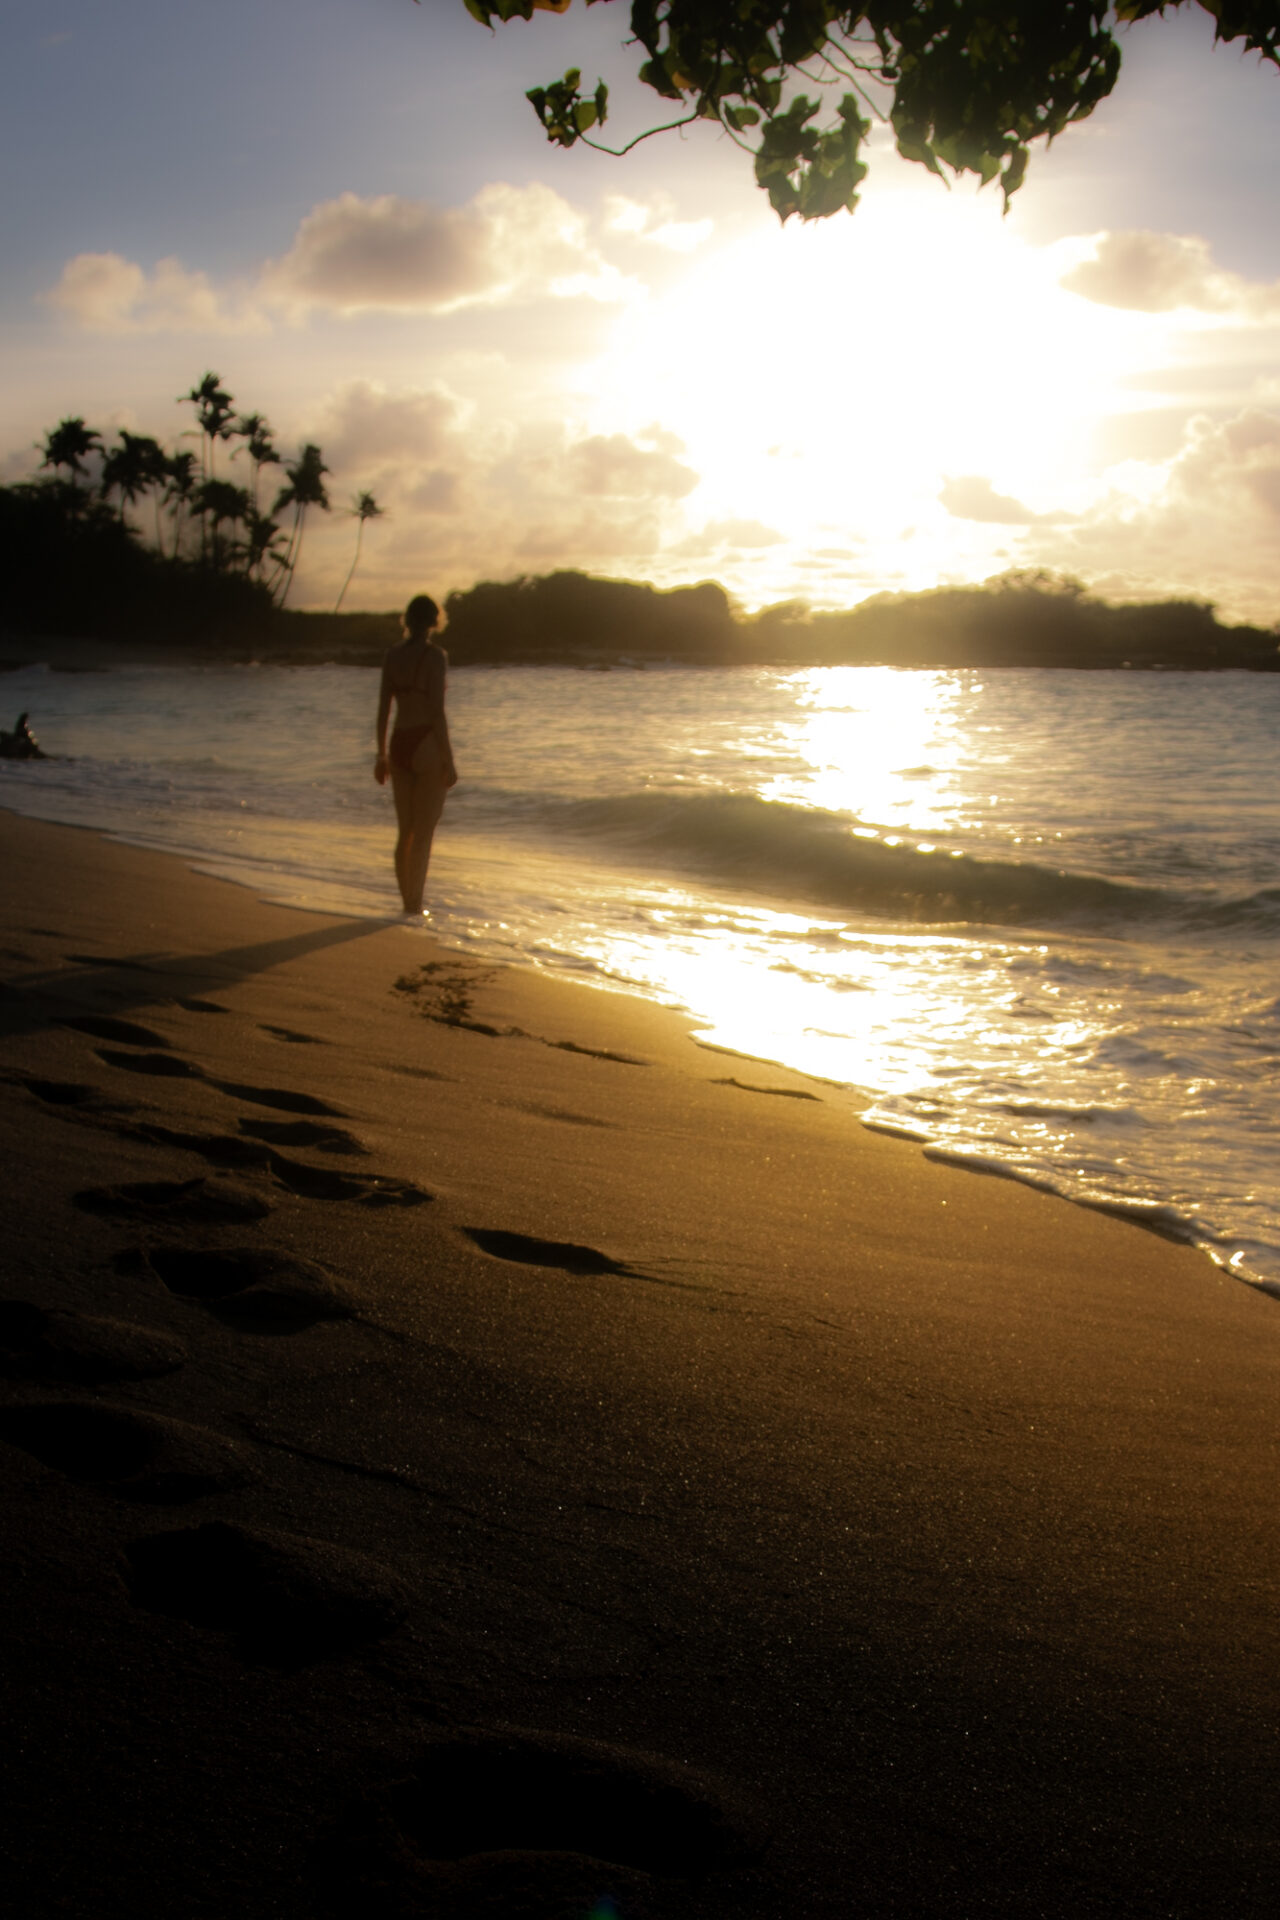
84 585
77 616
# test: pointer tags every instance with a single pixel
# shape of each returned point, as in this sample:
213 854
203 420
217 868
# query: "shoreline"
441 1386
83 654
1160 1217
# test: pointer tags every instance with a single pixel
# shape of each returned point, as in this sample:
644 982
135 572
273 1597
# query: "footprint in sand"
142 1456
162 1066
304 1133
310 1183
125 1033
173 1067
526 1251
787 1093
563 1114
567 1256
202 1200
292 1035
221 1149
284 1099
201 1006
40 1344
489 1824
326 1183
290 1599
72 1093
254 1288
596 1053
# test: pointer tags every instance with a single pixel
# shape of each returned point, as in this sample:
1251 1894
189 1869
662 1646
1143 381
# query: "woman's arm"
384 715
438 720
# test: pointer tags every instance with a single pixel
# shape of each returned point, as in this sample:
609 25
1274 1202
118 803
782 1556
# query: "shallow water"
1033 918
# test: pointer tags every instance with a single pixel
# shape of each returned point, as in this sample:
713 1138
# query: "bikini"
404 744
405 741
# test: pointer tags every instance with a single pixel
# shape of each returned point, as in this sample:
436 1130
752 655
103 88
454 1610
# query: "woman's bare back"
416 671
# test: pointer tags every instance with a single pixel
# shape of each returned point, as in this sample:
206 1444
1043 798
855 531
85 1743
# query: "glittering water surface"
1032 917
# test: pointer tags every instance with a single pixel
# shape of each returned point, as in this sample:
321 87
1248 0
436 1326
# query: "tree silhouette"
262 539
966 85
255 430
127 469
221 502
133 467
214 409
305 489
66 446
180 470
236 537
364 507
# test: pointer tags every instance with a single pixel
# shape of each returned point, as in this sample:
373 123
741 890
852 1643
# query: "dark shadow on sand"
29 1002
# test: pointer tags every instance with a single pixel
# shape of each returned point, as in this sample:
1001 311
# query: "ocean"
1029 918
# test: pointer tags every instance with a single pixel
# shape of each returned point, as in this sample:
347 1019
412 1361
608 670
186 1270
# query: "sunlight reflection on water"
801 859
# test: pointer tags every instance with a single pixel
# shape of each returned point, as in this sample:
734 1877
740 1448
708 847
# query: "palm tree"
126 469
219 501
305 489
261 542
67 444
181 471
255 430
214 408
155 473
364 507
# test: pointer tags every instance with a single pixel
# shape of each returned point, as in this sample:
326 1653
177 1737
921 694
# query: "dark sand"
449 1474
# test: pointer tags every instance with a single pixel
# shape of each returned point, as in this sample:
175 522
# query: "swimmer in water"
21 744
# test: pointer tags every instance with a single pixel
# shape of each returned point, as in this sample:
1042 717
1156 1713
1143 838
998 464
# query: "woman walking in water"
419 758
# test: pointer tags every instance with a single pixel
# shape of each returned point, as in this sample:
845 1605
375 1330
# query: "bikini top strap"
413 683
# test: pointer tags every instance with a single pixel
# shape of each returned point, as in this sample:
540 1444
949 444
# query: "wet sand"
470 1451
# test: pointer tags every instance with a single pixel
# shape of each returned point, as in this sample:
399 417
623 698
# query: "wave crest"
792 852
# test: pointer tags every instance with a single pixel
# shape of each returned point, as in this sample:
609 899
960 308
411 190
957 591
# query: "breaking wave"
792 852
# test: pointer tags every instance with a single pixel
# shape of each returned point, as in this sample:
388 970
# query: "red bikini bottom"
404 744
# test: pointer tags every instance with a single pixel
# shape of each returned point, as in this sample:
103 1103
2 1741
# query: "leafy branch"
967 86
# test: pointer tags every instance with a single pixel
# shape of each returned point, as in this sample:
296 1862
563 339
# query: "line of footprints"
602 1829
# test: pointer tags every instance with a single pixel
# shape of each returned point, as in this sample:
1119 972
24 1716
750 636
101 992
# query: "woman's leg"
427 806
402 793
419 799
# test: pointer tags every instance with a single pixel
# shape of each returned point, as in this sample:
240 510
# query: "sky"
538 359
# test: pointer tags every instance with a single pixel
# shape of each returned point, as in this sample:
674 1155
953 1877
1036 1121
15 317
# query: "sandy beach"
470 1450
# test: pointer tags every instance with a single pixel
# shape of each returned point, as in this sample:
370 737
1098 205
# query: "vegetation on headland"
966 86
1028 619
127 539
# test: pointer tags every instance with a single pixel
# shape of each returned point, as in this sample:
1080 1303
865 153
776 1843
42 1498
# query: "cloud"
437 492
105 293
471 499
1146 272
1230 466
366 425
971 497
615 464
352 255
718 535
651 221
407 447
507 246
1203 524
681 236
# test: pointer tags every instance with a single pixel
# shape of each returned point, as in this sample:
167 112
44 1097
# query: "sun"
834 376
